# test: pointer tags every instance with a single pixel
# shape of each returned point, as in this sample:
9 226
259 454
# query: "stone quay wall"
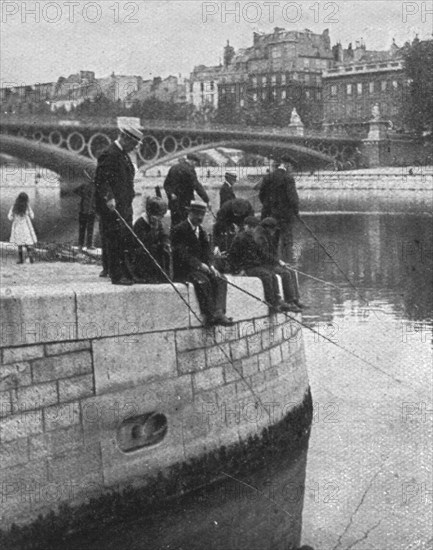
84 368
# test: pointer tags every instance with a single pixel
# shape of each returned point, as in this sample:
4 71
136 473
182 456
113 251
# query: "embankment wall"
84 366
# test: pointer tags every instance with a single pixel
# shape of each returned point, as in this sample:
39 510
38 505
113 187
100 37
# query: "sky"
43 40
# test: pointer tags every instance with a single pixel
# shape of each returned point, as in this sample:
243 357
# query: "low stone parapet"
104 387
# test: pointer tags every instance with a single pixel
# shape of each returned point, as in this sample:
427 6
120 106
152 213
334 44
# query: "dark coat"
245 253
115 180
182 181
188 251
156 241
226 193
268 248
87 194
278 196
232 212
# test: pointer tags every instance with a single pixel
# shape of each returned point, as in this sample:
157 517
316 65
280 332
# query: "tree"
418 62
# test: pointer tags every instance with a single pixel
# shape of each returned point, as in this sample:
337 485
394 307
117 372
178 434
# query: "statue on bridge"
296 126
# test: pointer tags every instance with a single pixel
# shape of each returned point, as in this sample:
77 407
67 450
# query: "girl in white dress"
22 233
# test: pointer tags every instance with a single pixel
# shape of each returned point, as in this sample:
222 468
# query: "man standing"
192 261
180 184
226 191
115 191
280 201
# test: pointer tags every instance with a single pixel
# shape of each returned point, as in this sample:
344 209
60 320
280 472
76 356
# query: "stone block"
264 360
246 328
250 366
240 305
254 343
218 355
76 465
226 334
118 311
25 353
34 397
238 349
62 366
15 375
77 387
66 347
56 443
233 371
167 397
37 314
210 378
14 453
191 361
102 414
275 355
5 404
20 425
190 339
61 416
119 364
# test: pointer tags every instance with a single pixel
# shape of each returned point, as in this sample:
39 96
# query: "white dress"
22 232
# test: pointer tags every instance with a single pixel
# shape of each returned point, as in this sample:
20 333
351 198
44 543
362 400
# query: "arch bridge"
164 141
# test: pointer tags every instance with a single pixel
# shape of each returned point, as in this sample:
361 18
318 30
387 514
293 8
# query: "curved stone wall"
104 386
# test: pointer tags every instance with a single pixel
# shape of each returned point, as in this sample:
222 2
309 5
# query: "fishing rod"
316 332
156 263
322 246
290 268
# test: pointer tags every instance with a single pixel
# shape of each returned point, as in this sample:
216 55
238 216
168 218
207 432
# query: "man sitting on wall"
156 239
192 261
264 235
246 257
228 221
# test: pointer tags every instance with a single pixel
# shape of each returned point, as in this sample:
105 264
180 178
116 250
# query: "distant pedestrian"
180 184
22 233
226 191
86 215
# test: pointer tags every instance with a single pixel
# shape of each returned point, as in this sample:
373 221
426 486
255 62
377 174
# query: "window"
307 77
371 87
295 76
276 52
383 85
395 84
264 81
359 88
254 81
201 86
264 94
319 95
307 94
191 87
255 96
242 102
349 89
283 79
274 79
334 90
283 94
212 85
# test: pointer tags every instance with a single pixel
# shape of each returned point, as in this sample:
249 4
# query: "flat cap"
230 176
252 221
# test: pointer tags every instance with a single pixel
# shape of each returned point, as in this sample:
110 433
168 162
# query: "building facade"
362 80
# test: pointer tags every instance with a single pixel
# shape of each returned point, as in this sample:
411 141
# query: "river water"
365 480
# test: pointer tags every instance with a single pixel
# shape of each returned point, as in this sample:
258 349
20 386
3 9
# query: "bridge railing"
173 125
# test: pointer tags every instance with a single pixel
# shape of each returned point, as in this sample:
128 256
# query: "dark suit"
189 252
226 193
268 251
156 240
115 180
280 200
232 213
182 181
